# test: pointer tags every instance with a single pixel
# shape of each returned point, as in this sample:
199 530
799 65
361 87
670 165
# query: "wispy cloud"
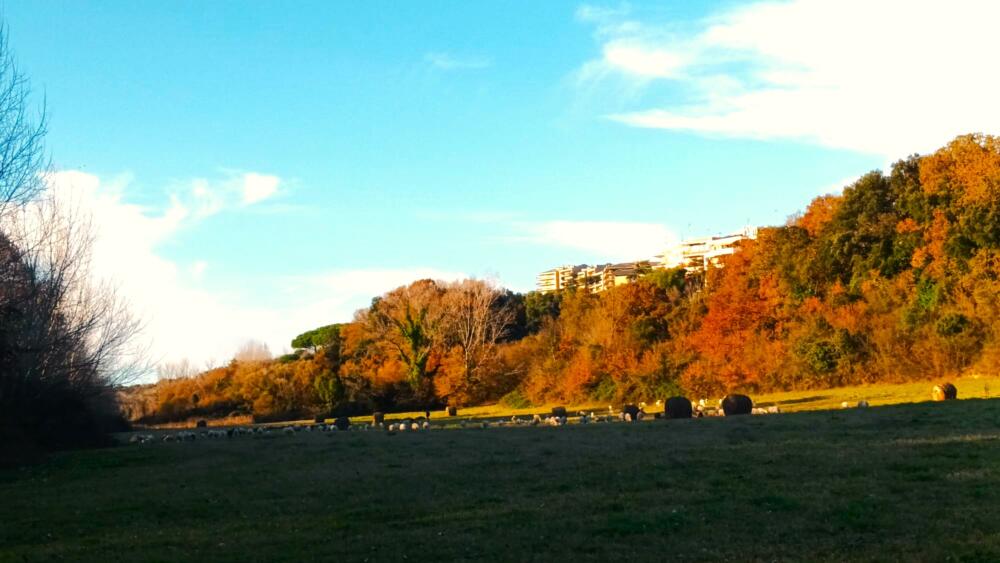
604 240
886 78
449 61
258 187
183 317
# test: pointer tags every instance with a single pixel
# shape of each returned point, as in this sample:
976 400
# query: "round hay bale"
678 407
631 412
342 423
201 423
736 404
944 392
559 412
378 418
452 411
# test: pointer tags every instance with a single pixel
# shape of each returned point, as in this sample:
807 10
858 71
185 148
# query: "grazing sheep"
427 425
632 411
627 417
678 407
944 392
862 404
392 427
414 426
536 420
736 405
773 409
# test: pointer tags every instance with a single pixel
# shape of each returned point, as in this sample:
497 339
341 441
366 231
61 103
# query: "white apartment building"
697 254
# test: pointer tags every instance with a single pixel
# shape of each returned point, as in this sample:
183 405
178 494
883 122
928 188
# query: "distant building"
591 278
557 279
695 255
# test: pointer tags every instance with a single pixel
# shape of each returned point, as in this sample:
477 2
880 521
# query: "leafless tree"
22 149
476 318
177 370
253 351
68 340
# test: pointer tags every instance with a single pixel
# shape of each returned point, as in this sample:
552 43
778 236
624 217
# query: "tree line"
896 278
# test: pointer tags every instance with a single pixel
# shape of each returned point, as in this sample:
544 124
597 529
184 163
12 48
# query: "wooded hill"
896 278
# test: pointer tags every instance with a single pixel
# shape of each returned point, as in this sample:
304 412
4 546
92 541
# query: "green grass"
978 387
905 482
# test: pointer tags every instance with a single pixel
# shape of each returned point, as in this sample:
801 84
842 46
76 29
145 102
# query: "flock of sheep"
676 407
673 408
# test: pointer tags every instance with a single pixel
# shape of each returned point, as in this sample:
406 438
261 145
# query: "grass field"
792 401
914 482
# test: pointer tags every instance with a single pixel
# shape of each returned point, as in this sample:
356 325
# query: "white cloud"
197 269
642 61
447 61
258 187
183 319
887 78
604 240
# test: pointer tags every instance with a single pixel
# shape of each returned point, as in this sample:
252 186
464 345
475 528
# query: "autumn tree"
409 320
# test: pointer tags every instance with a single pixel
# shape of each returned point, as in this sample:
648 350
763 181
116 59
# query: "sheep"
627 416
862 404
414 426
773 409
426 425
392 427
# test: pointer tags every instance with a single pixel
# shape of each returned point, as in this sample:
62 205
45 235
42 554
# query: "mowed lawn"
915 482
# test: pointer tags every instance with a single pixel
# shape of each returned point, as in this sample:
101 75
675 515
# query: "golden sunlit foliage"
897 278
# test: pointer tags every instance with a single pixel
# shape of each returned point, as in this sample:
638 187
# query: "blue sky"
271 166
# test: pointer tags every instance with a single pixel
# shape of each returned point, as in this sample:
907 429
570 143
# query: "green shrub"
515 400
